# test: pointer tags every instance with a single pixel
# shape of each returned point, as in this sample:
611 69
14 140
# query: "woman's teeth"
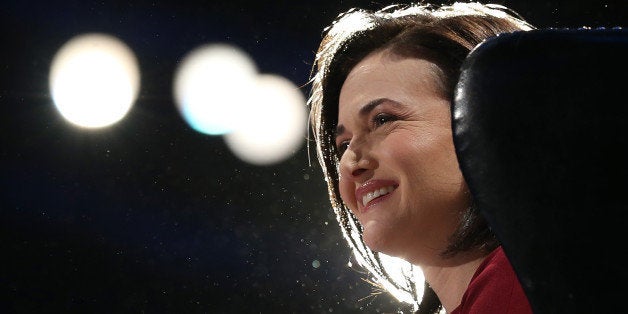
377 193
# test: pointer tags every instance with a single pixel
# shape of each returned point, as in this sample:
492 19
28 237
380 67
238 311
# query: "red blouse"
494 288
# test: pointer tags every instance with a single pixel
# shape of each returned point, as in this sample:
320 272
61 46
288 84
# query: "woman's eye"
341 148
382 118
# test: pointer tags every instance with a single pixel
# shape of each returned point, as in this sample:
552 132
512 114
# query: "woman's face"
399 174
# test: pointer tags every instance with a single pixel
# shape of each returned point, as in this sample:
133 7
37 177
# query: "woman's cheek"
347 194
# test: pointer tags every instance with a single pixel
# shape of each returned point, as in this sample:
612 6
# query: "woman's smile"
373 192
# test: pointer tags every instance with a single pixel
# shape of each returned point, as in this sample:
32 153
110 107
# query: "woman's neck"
450 282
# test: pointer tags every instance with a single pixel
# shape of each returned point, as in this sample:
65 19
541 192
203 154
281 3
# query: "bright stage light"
212 86
94 80
274 125
218 91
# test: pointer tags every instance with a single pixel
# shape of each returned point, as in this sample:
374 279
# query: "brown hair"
443 35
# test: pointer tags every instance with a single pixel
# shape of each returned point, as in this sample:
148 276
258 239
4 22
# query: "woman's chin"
378 239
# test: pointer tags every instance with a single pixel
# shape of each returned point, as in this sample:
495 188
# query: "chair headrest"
540 122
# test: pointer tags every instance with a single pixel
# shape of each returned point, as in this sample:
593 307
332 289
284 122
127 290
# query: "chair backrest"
540 123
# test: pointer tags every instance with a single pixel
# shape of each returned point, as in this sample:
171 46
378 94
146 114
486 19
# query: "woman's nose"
355 164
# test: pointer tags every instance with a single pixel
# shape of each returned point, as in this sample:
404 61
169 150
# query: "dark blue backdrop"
151 216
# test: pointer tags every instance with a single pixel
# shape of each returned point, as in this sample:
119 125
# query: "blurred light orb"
94 80
212 87
316 263
274 126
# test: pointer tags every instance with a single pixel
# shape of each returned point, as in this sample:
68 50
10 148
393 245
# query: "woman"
382 87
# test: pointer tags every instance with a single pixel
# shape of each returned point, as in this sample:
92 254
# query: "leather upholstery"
540 124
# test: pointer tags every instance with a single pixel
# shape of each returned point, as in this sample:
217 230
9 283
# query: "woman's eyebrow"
339 130
365 110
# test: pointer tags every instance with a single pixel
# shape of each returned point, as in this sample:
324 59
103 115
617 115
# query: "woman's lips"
370 196
373 192
374 202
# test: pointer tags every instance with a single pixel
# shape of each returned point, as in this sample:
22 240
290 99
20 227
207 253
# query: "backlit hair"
443 35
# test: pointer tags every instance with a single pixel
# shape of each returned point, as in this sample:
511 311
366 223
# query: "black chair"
540 124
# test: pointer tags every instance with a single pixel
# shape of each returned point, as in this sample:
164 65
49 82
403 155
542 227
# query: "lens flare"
274 125
211 87
94 80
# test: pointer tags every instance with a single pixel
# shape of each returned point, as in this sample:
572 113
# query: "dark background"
149 216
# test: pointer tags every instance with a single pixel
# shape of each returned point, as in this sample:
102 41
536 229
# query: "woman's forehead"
380 75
